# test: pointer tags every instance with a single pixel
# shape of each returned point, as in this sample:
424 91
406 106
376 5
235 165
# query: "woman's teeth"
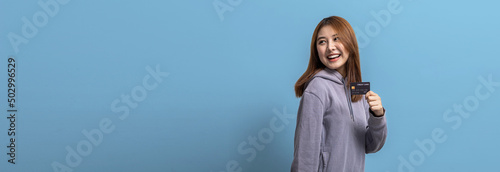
334 56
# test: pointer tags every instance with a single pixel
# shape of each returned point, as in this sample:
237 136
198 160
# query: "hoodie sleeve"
308 134
376 132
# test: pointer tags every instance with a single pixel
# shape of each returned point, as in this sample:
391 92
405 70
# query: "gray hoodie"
333 133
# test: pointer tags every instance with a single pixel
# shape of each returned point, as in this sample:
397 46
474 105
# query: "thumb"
369 93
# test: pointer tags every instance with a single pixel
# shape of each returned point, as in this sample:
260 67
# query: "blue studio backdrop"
208 85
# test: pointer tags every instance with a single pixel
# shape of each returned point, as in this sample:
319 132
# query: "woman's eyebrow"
322 37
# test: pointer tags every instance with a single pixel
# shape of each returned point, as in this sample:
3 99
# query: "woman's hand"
375 103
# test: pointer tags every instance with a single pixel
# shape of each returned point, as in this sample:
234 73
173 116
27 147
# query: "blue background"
228 78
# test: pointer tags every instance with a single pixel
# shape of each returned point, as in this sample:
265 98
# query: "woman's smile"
334 57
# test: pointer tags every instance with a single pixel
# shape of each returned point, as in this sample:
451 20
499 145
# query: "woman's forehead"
327 31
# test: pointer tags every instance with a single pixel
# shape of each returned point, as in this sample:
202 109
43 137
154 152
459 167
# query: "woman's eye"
336 38
321 42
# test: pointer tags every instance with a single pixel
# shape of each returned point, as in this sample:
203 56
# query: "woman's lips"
334 57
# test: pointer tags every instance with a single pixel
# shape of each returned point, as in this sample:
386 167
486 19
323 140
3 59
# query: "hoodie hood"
331 75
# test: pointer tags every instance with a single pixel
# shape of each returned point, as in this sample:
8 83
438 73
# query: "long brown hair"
348 39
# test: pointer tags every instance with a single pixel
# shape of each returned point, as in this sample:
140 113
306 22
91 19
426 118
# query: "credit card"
359 88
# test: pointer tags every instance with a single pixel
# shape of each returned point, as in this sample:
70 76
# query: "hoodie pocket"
323 161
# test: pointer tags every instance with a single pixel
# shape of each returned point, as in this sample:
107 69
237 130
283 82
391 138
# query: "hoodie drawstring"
348 97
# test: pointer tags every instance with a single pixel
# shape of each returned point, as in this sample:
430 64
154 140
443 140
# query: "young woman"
334 128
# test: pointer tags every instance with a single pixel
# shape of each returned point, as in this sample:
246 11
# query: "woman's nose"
331 46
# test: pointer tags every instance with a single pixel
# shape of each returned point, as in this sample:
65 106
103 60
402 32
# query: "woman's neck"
342 71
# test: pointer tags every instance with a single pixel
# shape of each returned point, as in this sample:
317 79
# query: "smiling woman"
339 36
334 128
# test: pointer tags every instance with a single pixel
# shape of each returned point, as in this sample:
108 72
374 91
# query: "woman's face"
331 52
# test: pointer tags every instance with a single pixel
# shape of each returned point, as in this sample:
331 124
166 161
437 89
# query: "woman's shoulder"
317 86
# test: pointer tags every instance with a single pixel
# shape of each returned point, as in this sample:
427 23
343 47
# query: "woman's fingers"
375 103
